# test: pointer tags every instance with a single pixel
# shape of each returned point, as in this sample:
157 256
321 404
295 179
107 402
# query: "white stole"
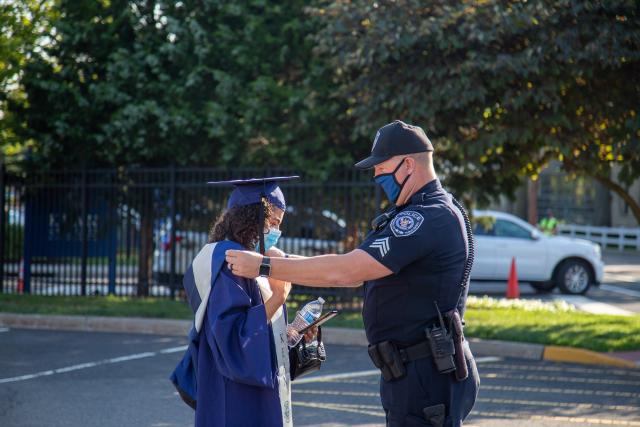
279 327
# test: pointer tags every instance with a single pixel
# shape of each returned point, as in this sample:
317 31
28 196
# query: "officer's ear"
410 165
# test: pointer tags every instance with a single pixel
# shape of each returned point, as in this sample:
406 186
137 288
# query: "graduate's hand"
310 334
244 263
280 288
274 252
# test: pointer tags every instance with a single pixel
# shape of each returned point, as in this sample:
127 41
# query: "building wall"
621 215
579 201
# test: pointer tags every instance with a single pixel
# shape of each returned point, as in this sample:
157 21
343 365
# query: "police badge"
406 223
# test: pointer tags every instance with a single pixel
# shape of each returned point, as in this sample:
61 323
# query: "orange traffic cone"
513 291
20 289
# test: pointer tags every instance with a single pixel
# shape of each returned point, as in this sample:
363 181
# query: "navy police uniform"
424 244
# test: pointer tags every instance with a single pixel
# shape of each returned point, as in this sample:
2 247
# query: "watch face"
265 270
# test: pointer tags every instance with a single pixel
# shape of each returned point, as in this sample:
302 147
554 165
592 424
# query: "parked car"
306 232
546 262
187 243
310 232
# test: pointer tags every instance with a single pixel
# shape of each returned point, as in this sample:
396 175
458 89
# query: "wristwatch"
265 267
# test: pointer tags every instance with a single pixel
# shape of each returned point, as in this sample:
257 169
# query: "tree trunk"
620 191
532 201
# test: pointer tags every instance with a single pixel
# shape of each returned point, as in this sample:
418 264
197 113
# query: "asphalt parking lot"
55 379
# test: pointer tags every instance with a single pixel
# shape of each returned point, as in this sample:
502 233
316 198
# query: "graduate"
239 340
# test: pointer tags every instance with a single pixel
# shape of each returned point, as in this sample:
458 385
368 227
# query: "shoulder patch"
406 223
382 245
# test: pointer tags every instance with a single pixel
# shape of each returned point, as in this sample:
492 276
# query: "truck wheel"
574 277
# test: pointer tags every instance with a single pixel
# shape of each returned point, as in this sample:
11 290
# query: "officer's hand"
244 263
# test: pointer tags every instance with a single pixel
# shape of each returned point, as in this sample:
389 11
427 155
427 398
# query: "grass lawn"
95 306
524 321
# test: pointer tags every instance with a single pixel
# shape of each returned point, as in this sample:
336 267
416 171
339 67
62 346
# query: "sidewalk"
339 336
623 258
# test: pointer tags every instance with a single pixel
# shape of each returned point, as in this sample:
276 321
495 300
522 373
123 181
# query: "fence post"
621 239
85 234
2 225
378 197
172 246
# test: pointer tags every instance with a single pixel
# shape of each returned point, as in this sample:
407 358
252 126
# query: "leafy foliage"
503 86
185 83
21 22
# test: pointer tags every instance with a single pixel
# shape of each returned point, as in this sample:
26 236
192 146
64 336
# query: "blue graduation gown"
237 365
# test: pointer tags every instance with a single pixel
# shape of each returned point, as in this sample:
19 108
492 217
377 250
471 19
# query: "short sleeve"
405 239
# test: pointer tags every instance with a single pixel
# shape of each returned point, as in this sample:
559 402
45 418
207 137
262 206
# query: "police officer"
414 265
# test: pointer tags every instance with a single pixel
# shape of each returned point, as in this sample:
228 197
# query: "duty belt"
390 358
415 352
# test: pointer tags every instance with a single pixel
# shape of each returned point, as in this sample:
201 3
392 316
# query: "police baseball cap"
395 139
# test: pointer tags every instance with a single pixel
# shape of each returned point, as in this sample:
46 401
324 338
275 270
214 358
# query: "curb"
339 336
588 357
137 325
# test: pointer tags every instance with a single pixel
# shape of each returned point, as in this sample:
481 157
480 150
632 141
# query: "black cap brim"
371 161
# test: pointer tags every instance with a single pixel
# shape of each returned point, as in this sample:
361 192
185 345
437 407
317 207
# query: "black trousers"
403 400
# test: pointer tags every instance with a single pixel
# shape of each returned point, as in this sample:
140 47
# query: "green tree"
154 83
503 87
22 26
188 83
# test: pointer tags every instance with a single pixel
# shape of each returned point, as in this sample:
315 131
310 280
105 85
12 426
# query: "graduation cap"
253 190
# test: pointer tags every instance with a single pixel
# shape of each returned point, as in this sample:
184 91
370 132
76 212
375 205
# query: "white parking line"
591 306
342 408
93 364
4 330
371 372
322 378
619 290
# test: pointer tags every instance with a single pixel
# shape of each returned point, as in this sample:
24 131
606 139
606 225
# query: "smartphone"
319 321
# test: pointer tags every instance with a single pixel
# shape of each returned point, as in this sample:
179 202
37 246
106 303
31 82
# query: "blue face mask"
389 183
270 239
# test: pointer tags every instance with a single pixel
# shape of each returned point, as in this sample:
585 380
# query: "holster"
386 357
456 328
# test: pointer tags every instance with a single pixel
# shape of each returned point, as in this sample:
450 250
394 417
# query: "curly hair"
241 224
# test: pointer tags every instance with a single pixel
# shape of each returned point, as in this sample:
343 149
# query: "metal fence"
620 238
134 232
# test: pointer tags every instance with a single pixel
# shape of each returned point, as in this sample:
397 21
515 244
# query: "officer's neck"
415 184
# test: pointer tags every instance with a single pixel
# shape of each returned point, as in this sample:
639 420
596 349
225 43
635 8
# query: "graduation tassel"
261 220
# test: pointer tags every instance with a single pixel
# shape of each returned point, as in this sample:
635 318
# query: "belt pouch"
391 357
378 362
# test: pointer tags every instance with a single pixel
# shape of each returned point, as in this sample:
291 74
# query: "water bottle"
305 316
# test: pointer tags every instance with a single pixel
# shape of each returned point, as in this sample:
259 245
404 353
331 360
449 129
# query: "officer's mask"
390 184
